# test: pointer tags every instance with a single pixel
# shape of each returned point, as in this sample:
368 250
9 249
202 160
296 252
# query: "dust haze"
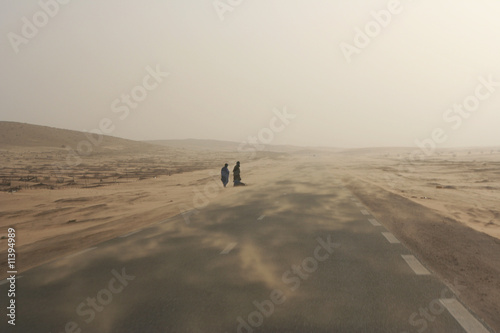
116 118
354 74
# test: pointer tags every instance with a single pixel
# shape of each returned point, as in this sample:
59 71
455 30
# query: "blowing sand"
444 208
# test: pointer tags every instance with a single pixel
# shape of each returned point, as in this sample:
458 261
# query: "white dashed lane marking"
261 217
81 252
228 248
463 316
415 265
390 238
7 281
364 212
374 222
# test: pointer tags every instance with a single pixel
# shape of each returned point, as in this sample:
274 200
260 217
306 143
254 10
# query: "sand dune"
228 146
125 185
457 184
13 134
39 157
461 183
120 179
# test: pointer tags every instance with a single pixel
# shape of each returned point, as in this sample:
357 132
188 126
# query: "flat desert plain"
444 207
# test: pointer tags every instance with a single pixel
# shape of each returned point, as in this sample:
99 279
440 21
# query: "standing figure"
236 175
224 175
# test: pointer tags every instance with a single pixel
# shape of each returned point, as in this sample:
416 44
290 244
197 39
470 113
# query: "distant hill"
396 152
377 151
196 144
217 145
13 134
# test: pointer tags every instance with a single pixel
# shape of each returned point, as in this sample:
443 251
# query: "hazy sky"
354 73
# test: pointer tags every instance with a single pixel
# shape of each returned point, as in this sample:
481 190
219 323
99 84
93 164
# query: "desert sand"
444 207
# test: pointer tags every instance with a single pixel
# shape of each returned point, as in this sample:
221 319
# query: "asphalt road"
287 256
